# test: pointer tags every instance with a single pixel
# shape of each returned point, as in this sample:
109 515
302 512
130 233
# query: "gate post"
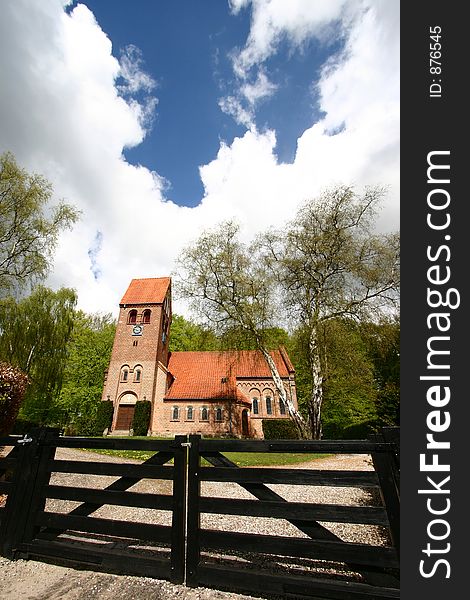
386 467
47 446
194 516
178 524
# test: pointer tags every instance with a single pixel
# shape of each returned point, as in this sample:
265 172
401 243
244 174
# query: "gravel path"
33 580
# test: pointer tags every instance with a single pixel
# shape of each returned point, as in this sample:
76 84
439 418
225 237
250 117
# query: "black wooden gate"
316 562
28 529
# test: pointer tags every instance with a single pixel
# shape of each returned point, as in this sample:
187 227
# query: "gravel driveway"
32 580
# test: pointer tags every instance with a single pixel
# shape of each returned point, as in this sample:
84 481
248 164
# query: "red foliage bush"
13 385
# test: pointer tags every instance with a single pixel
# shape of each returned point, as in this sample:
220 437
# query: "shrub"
355 431
103 419
279 429
141 420
360 431
13 384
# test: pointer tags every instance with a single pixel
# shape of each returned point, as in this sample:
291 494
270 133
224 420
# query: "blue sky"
160 119
186 47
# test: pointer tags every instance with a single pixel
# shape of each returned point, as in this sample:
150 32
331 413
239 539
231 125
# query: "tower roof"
146 291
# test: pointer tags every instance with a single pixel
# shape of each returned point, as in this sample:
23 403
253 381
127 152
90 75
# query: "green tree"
186 335
331 264
350 392
29 226
383 345
232 292
88 354
34 333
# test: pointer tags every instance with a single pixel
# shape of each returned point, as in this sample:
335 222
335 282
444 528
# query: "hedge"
23 426
141 420
355 431
103 418
279 429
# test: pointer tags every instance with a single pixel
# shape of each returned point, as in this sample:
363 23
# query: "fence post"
178 524
194 516
386 467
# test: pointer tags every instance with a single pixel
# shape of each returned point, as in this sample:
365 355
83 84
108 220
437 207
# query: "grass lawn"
242 459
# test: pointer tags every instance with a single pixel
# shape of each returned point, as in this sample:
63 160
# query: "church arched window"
218 414
204 414
189 413
146 316
132 317
175 414
255 406
269 405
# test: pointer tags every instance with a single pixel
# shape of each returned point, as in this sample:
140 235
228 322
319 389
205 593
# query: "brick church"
212 393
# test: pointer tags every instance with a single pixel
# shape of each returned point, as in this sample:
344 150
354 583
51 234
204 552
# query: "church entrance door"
125 416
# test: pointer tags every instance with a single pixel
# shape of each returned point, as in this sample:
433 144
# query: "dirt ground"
33 580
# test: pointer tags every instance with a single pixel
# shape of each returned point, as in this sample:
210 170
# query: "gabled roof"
213 375
146 291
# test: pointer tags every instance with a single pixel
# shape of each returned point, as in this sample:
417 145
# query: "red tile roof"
146 291
212 375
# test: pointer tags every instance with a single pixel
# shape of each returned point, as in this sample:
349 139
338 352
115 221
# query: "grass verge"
241 459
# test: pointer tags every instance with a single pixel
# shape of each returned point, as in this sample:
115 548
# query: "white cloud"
131 63
272 20
358 90
233 107
259 90
64 115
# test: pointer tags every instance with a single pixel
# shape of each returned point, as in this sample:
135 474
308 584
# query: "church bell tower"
139 360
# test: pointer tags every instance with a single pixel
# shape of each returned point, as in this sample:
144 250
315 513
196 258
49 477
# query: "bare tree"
229 288
330 264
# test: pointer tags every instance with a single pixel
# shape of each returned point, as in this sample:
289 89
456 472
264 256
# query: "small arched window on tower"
137 374
124 373
146 315
132 317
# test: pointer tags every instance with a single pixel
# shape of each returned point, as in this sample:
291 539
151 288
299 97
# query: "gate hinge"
186 444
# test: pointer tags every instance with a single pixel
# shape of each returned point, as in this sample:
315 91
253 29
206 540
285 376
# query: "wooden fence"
314 563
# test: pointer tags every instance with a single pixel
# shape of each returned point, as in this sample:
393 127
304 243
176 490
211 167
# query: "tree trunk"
316 400
284 397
